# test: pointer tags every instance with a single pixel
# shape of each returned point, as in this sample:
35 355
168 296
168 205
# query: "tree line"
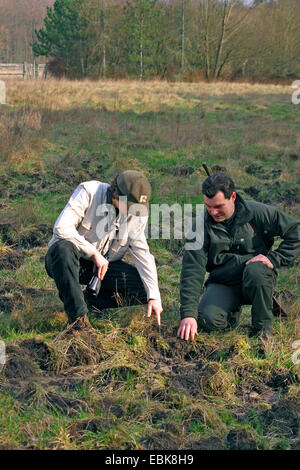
169 39
18 21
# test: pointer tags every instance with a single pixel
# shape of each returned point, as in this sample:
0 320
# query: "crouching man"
92 234
238 236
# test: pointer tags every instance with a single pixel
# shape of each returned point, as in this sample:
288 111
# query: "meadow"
132 385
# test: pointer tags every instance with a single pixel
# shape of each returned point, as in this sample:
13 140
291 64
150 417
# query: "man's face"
219 207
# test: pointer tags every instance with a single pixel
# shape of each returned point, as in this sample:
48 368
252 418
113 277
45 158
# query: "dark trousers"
256 289
121 285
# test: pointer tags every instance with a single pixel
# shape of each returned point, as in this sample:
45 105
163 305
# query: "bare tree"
182 36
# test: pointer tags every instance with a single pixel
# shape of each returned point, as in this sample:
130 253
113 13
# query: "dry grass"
122 95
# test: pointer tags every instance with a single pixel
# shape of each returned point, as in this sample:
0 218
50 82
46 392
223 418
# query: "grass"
132 386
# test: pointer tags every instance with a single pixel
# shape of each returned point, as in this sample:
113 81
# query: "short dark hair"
113 189
218 182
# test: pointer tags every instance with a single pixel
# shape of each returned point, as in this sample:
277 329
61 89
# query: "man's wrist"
183 317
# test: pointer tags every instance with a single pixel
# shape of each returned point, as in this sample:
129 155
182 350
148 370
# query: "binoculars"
94 286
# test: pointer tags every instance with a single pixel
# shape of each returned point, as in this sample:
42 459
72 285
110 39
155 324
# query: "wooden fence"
25 71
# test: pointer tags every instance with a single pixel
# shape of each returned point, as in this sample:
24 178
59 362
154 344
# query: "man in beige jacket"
92 234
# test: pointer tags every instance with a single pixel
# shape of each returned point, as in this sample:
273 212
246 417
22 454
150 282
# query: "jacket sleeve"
192 275
288 229
145 264
66 225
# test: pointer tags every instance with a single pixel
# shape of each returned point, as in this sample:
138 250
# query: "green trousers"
219 301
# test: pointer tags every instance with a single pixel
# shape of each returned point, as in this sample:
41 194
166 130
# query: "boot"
261 334
81 323
234 319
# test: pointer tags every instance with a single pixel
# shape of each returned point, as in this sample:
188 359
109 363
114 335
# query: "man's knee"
257 273
63 247
211 318
62 253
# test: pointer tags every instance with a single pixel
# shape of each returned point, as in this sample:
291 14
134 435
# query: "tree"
146 35
20 18
64 37
218 22
95 13
182 47
276 40
4 42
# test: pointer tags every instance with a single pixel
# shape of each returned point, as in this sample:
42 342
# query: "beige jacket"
91 224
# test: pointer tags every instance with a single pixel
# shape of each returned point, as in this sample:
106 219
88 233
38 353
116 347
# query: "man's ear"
115 203
233 196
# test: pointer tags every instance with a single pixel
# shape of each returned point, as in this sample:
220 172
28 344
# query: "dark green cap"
135 186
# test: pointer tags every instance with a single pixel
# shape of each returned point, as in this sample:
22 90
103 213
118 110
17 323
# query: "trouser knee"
62 253
256 274
63 249
212 319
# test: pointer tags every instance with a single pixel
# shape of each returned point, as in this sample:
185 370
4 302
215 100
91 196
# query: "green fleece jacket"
224 254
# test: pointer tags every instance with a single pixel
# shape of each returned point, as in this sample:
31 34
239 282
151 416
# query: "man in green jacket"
236 249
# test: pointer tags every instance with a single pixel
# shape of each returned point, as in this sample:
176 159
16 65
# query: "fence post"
45 71
27 71
35 70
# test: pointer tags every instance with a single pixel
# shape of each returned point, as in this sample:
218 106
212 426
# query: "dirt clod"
161 440
18 365
119 373
12 260
93 425
65 405
284 416
262 172
282 380
240 440
218 168
221 354
180 170
159 415
39 351
210 443
74 348
183 350
110 407
13 294
38 235
159 394
273 193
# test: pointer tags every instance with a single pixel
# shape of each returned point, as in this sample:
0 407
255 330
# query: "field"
131 385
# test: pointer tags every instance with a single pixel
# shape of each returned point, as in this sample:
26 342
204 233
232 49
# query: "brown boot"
81 323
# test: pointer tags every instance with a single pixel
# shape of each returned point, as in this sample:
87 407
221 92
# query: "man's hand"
261 259
188 326
154 306
101 264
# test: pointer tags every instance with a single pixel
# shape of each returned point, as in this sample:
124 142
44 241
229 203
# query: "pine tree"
64 37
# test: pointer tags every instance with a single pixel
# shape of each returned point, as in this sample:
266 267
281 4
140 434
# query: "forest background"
186 40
